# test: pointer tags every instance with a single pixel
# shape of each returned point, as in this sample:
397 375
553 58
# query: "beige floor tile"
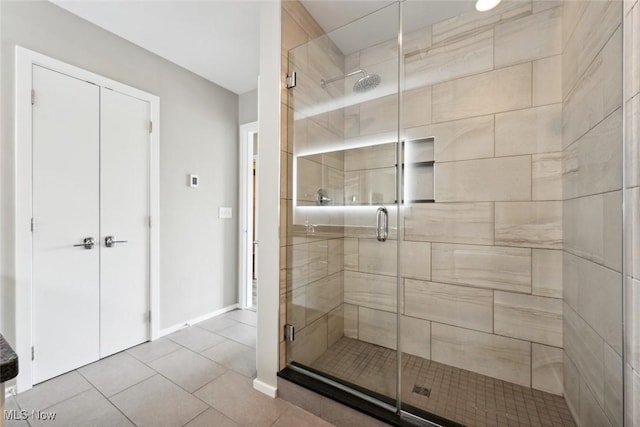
188 369
89 408
158 402
240 332
153 350
53 391
116 373
212 418
295 416
195 339
234 396
234 356
216 323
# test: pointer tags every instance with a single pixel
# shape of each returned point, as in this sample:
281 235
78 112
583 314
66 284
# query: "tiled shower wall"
632 189
591 181
482 266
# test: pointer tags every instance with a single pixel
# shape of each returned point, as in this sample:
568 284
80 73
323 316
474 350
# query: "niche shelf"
418 170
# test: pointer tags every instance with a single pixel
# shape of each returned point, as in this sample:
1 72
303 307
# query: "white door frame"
25 59
245 232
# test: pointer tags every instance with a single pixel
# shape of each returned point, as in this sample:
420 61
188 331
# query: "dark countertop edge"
8 361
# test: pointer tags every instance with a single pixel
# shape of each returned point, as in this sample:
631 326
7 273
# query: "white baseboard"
174 328
265 388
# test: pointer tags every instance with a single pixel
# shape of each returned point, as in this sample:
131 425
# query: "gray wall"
199 134
248 107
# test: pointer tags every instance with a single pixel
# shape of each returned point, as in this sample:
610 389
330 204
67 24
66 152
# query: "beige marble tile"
499 357
598 22
377 257
296 312
529 224
372 157
591 412
292 34
600 301
585 348
546 176
335 325
571 385
377 327
547 368
306 263
473 21
382 52
460 139
450 222
491 92
547 80
612 230
381 114
612 59
497 179
529 131
447 61
308 179
370 290
415 260
583 227
540 5
571 13
489 267
462 306
632 45
528 317
632 328
613 397
570 280
324 295
351 254
416 337
350 321
632 151
335 256
310 342
546 273
303 18
533 37
377 186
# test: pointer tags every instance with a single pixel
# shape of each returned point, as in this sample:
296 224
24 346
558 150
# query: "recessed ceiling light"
484 5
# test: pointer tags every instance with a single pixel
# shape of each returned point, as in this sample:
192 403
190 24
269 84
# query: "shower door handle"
382 224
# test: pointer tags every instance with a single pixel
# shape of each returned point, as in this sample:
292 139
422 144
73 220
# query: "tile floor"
456 394
198 376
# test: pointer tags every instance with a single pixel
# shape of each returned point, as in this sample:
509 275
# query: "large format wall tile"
528 317
534 37
482 266
498 179
450 222
530 131
370 290
416 337
546 176
547 80
529 224
583 227
377 327
310 342
613 386
415 260
491 92
323 296
546 274
350 321
547 368
460 139
499 357
450 304
371 157
591 413
381 114
462 57
585 348
378 257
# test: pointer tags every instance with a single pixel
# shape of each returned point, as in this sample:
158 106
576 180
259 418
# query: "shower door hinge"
290 81
33 97
149 221
33 225
33 353
289 332
150 127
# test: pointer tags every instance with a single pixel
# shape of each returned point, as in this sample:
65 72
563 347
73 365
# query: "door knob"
88 243
110 241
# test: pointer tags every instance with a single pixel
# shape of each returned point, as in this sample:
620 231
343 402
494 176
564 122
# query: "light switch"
224 213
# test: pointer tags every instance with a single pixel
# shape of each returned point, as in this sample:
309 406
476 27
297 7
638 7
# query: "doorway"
248 256
87 193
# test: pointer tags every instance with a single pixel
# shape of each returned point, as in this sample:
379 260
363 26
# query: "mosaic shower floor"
459 395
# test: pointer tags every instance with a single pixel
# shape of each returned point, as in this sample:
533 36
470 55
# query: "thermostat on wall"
193 180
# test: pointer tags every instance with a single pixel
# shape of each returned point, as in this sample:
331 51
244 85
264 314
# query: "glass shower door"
341 243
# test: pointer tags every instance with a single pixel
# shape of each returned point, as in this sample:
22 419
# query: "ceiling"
219 39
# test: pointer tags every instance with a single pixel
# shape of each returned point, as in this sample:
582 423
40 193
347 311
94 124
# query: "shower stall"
452 227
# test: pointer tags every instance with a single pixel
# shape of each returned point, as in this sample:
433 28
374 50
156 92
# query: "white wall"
199 134
248 107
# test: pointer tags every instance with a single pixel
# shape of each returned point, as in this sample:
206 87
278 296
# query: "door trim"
245 237
24 61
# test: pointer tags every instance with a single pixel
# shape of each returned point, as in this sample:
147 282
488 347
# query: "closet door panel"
66 211
124 216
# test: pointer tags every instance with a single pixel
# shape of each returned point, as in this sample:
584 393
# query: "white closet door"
66 129
124 213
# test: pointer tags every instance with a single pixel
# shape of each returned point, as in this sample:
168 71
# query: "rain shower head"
364 83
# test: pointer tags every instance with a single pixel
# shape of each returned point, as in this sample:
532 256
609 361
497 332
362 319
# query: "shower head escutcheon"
363 84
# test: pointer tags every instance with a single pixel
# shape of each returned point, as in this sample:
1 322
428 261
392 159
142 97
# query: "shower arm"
324 82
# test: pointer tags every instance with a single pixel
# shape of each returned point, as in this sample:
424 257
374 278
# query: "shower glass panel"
493 141
341 282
